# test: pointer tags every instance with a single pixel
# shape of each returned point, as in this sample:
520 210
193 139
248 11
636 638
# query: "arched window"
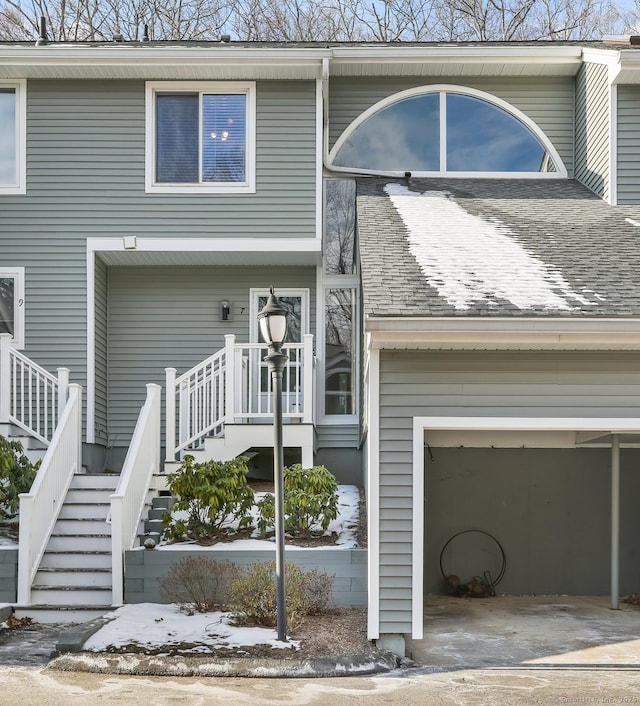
446 130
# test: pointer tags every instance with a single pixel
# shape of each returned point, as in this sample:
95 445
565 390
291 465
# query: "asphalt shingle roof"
495 247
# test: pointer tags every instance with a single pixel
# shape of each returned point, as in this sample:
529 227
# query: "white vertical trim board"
417 533
613 145
373 500
91 343
319 161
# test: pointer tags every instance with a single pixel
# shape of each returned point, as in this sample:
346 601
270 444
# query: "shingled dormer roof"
495 248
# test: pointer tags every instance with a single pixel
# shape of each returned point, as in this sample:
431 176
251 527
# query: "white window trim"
20 184
255 293
247 88
17 273
443 89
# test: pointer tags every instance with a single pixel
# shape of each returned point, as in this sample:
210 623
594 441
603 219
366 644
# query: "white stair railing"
234 385
39 507
30 396
128 501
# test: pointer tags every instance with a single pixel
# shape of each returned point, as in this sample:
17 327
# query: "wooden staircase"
73 582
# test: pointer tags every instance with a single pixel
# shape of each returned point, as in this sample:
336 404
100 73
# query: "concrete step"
69 578
157 513
77 595
82 526
73 560
72 511
62 614
74 543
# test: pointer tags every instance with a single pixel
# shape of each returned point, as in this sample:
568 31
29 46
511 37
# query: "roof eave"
503 333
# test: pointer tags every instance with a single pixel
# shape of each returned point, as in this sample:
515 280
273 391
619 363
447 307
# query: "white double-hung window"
13 137
200 137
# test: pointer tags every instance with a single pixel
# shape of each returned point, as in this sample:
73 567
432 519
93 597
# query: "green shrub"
214 495
17 474
254 593
310 500
198 584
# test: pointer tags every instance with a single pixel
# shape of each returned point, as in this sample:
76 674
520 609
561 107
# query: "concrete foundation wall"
8 574
144 567
550 509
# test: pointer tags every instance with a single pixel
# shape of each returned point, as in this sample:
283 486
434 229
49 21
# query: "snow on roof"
445 247
467 257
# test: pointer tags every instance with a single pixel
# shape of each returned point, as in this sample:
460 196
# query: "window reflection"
479 137
401 137
340 374
484 138
7 304
8 146
339 235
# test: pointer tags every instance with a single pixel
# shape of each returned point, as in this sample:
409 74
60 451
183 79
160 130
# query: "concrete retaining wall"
8 574
144 567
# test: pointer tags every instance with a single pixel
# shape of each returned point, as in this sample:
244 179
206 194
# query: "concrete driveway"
527 631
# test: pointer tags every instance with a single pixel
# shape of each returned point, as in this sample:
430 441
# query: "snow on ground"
152 625
345 527
469 259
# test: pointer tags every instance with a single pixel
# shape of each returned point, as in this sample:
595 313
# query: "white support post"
63 389
170 414
615 521
230 377
307 385
25 550
5 377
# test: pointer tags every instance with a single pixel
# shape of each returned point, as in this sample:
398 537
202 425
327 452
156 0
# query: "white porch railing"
30 397
39 507
127 503
234 385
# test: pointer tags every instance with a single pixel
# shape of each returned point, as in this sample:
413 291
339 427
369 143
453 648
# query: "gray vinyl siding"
87 159
628 144
85 178
518 384
101 359
592 128
548 102
169 317
338 435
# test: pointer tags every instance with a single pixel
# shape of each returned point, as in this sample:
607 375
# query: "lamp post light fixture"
273 325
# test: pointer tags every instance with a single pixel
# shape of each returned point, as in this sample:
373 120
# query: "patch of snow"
345 526
469 259
152 625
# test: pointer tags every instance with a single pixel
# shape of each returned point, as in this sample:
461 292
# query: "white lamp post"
273 325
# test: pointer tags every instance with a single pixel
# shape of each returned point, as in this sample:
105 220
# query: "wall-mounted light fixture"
225 310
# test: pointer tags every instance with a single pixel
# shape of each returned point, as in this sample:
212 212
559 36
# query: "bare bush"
197 584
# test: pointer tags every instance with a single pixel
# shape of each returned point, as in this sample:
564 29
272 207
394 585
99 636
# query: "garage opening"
552 500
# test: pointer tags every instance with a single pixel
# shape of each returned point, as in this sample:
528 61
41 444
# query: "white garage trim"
612 425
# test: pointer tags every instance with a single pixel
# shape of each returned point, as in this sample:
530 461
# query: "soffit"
236 61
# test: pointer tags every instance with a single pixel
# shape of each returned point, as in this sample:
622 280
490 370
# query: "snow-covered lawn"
345 527
152 626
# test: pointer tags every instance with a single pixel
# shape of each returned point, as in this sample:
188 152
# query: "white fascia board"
504 333
389 54
601 56
125 55
266 245
615 425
